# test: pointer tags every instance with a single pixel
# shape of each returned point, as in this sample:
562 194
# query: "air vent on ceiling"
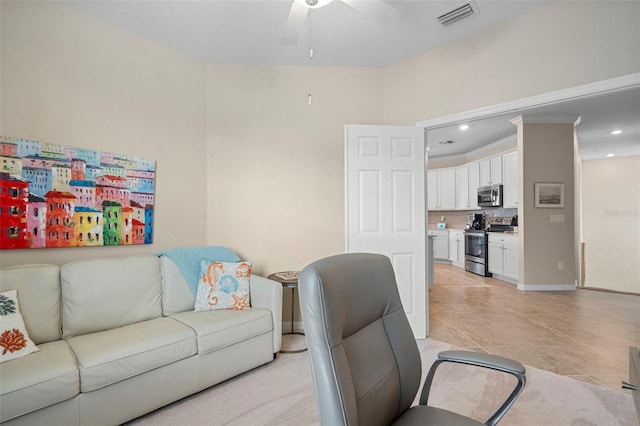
456 14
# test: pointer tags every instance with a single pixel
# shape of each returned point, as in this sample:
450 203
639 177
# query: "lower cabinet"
503 256
440 243
456 247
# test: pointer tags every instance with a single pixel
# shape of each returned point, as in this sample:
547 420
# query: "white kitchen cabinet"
495 258
441 189
462 188
511 261
503 256
467 182
457 188
432 190
510 180
491 171
440 243
456 247
474 184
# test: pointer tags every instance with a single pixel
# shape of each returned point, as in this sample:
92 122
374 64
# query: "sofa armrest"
267 294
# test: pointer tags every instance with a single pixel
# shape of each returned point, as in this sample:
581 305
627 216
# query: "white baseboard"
546 287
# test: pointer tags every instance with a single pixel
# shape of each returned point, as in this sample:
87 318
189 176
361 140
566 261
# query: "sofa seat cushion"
110 356
220 328
38 380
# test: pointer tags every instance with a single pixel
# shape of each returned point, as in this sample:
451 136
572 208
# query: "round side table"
289 279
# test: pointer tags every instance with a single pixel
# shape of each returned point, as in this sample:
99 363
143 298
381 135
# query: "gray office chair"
365 361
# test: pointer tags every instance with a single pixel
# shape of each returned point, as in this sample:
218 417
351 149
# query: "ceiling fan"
376 9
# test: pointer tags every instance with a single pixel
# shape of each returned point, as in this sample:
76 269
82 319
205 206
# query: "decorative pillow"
223 285
14 339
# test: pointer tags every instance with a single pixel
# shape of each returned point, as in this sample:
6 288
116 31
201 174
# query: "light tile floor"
584 334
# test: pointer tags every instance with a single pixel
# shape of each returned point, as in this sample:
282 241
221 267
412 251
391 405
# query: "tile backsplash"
458 219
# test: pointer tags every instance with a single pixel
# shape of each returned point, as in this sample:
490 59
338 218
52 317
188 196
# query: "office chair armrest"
493 362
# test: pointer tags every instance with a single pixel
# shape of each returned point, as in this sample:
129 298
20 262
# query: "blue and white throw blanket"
187 259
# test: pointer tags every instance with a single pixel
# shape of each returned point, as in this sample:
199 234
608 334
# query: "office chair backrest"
364 358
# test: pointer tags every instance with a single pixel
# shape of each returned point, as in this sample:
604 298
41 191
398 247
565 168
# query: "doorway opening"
590 247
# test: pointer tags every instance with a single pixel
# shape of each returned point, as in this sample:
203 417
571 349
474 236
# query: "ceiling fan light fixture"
313 4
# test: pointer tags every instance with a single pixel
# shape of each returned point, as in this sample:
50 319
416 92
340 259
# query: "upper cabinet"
456 188
510 179
474 184
462 188
491 171
467 182
441 189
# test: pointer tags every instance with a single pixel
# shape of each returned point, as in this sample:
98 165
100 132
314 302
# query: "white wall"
276 173
69 79
562 45
275 163
611 223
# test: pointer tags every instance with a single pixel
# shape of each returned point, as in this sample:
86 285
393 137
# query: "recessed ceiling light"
463 127
611 155
616 132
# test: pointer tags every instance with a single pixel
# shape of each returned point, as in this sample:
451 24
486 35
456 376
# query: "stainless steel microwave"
490 196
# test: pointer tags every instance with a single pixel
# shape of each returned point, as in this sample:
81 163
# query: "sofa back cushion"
38 288
105 293
176 293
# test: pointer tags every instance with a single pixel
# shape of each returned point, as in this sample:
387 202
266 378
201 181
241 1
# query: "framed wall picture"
54 195
549 195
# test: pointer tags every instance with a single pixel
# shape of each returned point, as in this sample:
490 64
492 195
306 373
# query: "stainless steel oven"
476 247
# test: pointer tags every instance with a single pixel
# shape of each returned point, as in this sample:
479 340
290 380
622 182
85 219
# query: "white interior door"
385 198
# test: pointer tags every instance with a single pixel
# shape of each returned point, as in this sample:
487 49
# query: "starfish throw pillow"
223 285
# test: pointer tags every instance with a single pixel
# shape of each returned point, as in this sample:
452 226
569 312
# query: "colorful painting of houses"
54 195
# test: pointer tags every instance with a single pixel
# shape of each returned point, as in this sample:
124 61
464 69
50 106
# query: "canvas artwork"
53 195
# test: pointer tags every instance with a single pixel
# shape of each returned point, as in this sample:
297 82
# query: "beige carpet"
446 278
281 393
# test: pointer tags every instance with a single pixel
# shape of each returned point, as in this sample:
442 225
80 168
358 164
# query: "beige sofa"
118 338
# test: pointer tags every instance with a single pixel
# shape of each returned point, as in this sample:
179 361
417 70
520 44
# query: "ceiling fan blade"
382 12
295 24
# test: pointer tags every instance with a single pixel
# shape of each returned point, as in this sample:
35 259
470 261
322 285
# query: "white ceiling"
598 117
251 32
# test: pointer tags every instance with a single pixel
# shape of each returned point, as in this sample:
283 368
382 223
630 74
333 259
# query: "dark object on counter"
476 221
514 220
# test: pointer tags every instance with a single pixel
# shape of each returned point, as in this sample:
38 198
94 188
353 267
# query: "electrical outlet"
560 266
